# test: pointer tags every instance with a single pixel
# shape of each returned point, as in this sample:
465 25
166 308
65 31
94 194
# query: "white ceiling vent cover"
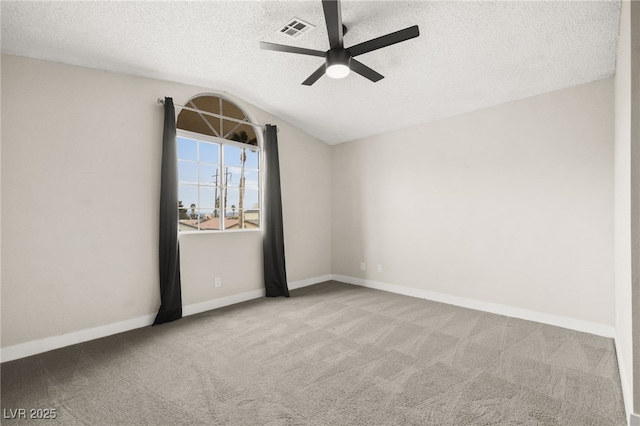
295 27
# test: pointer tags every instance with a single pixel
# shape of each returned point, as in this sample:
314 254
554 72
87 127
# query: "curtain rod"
224 117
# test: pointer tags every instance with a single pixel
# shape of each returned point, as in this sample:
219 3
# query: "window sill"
228 231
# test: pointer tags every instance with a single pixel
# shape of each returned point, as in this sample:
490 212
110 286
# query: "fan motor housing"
338 56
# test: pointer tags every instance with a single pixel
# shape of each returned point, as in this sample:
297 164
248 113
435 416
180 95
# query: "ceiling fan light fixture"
338 63
338 70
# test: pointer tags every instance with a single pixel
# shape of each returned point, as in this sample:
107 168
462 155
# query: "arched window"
218 167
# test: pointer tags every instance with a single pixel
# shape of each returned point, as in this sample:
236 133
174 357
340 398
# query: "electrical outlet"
218 282
379 267
362 266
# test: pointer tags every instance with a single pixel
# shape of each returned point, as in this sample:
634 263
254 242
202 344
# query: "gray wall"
510 205
627 203
635 194
80 190
622 205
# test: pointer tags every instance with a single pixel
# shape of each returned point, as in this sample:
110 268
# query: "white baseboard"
495 308
626 392
197 308
309 281
50 343
35 347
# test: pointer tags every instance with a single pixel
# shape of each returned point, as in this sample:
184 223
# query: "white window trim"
213 139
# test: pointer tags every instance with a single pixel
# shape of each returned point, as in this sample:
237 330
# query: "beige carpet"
332 354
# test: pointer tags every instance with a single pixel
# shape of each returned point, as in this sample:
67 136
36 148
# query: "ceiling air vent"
296 27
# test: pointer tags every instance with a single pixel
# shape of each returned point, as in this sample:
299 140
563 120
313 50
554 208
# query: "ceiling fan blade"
290 49
333 19
365 71
315 76
384 41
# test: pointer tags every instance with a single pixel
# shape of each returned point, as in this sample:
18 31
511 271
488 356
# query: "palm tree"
244 138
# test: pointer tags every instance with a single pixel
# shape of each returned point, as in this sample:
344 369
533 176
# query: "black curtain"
275 274
170 289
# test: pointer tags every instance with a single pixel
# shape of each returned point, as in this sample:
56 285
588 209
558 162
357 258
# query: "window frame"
222 142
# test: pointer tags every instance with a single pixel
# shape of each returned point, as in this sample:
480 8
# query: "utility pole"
215 197
226 180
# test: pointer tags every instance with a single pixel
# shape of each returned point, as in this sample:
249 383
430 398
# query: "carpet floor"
332 354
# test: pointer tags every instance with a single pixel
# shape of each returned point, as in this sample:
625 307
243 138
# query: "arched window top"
214 126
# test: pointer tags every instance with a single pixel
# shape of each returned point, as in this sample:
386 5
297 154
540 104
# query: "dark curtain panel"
170 289
275 274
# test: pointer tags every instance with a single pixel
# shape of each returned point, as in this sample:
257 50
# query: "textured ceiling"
470 55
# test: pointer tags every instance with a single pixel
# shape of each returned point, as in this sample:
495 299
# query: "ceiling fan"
338 60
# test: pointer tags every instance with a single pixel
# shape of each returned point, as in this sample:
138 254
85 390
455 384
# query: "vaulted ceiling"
469 55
